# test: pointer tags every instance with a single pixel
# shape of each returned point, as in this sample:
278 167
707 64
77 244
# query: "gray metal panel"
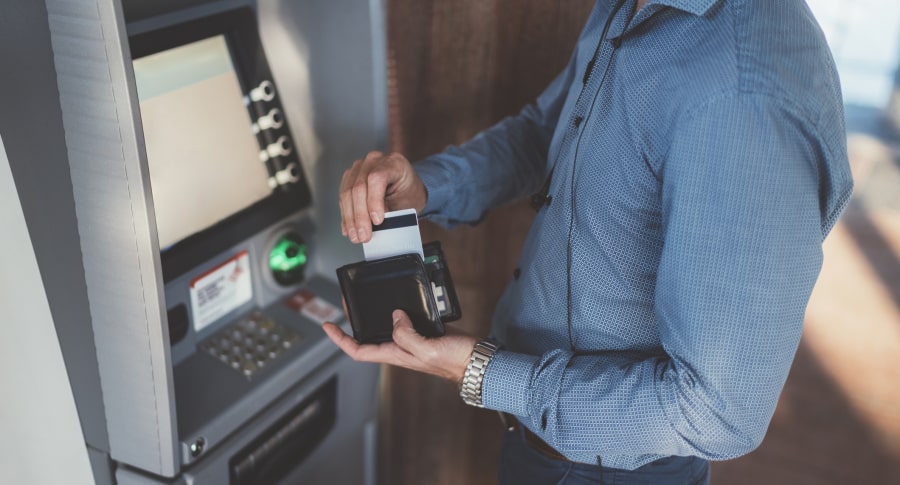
31 121
143 16
127 476
144 9
38 418
339 459
102 467
118 235
329 59
214 400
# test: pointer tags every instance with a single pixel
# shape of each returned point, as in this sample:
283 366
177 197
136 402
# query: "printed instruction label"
314 307
221 290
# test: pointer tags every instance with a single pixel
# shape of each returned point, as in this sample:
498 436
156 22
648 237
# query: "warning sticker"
315 308
221 290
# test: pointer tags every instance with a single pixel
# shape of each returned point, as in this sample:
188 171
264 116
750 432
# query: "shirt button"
516 273
578 120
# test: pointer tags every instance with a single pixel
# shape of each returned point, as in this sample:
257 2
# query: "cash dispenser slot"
285 444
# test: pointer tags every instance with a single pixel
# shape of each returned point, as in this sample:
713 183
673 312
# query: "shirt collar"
696 7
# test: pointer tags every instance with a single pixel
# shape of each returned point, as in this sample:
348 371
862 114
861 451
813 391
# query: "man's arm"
743 190
500 164
503 163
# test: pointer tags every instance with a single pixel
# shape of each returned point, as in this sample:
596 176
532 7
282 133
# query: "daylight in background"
839 417
863 267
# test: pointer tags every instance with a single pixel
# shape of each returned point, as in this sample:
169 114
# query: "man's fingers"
387 353
368 183
343 225
348 225
345 342
376 183
361 218
405 335
362 210
440 357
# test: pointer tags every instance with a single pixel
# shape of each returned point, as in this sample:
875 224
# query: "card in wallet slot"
374 289
441 282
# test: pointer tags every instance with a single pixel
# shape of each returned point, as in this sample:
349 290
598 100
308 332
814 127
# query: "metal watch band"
470 389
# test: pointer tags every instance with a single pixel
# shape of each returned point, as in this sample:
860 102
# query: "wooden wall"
457 67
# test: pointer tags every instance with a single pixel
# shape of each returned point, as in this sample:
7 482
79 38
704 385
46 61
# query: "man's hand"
377 183
445 356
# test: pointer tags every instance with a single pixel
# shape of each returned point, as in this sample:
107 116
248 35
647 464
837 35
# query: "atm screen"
202 153
223 166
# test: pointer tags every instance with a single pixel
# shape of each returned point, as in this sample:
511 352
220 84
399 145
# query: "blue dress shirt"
698 161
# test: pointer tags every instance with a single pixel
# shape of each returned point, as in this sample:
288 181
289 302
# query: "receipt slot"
199 144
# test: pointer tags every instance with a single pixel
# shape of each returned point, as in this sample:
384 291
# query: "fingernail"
353 236
376 217
397 315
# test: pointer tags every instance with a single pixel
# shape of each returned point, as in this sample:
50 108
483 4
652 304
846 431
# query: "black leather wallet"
374 289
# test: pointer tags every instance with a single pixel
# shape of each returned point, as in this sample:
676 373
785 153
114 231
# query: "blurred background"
458 66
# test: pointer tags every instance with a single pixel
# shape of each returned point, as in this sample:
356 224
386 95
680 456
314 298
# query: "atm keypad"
250 344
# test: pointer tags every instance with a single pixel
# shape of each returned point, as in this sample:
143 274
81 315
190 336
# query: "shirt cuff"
437 184
507 382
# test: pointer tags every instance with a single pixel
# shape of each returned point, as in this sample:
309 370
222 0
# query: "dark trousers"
520 464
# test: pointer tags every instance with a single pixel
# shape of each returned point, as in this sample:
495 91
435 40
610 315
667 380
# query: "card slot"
439 275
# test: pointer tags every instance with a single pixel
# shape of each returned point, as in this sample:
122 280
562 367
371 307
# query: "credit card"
397 234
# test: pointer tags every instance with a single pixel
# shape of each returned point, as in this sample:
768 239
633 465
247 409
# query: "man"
693 158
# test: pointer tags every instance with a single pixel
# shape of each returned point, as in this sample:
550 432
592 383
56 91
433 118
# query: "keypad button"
250 344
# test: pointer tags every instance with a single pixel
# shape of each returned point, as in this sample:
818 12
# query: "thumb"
404 334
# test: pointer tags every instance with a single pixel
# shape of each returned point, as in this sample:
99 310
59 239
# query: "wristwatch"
470 388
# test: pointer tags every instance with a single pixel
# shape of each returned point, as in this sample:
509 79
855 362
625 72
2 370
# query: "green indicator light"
287 255
432 259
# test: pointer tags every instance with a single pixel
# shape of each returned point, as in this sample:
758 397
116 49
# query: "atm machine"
189 236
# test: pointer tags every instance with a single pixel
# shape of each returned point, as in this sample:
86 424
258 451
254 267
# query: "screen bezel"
239 27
